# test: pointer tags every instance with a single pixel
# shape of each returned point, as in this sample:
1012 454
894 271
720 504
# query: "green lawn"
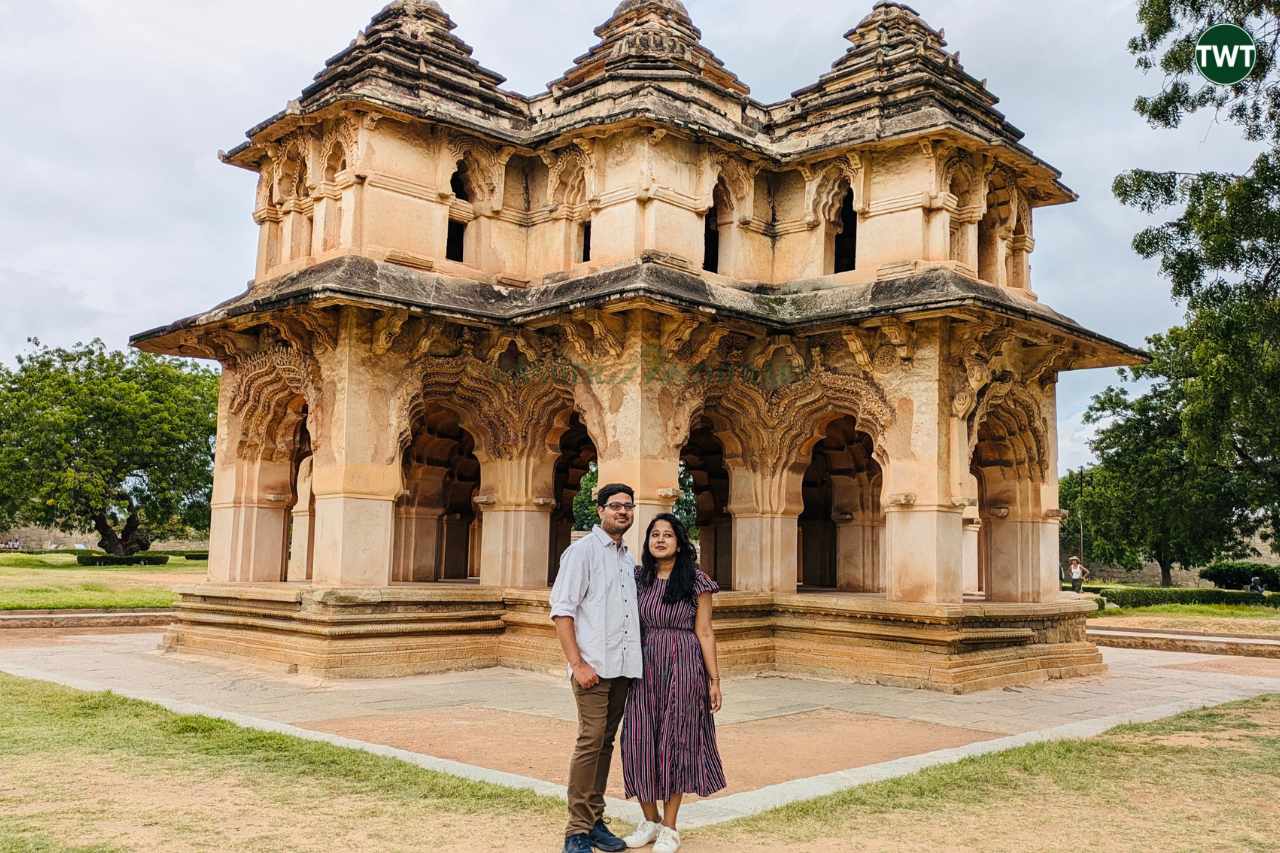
1214 611
57 582
133 776
83 596
11 564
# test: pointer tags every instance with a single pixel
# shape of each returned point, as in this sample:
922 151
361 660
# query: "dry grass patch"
1199 781
97 769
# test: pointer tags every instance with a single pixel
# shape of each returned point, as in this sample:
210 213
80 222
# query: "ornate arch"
267 388
1008 410
561 168
510 413
341 141
293 172
825 187
483 165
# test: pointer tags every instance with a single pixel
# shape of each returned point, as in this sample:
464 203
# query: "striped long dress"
669 733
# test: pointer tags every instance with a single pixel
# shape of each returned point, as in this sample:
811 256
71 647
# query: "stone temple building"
464 296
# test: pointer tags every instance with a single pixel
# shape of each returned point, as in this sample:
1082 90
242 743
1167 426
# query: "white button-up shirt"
596 586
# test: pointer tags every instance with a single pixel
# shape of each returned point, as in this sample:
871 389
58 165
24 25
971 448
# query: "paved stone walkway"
515 728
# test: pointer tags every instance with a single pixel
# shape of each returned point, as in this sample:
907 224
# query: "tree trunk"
134 538
130 540
107 539
1166 574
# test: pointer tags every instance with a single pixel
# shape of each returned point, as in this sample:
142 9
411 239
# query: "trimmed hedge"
1148 596
143 559
1239 575
186 555
40 552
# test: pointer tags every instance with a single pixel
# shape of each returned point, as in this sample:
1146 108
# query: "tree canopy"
1149 496
119 443
1191 465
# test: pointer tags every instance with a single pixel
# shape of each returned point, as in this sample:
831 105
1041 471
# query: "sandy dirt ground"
1203 624
798 745
1235 665
172 809
27 637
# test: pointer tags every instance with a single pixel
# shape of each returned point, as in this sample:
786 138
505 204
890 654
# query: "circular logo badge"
1226 54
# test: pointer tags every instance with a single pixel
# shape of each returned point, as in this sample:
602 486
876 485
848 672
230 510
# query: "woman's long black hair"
680 584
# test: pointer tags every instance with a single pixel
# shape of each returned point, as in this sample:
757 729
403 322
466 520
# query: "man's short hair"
606 492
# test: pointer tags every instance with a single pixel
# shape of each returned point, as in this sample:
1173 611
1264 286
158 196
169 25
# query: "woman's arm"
707 638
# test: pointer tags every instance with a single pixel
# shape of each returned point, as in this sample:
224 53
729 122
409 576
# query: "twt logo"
1226 54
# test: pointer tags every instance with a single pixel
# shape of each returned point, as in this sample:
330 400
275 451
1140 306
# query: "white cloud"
119 217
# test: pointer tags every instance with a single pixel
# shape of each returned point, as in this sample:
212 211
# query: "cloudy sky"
119 216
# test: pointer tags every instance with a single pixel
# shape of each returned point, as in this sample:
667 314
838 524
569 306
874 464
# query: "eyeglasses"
620 507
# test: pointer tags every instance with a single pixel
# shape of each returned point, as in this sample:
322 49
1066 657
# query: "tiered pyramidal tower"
821 310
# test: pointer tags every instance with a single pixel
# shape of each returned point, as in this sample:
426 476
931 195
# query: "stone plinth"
954 648
348 633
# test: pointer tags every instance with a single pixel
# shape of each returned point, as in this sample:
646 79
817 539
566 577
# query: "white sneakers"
645 833
668 841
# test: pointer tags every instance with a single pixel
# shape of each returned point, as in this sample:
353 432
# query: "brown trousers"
599 713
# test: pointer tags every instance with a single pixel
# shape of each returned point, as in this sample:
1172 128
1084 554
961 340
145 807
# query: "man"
1078 574
593 605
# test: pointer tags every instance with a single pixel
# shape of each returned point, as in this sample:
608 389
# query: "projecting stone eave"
658 112
806 307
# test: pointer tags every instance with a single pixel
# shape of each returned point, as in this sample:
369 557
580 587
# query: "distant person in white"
593 604
1078 574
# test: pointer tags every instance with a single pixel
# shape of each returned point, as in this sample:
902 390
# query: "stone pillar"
1051 515
973 582
922 510
516 502
417 544
249 522
357 470
251 493
269 226
637 404
417 534
1020 248
766 509
301 541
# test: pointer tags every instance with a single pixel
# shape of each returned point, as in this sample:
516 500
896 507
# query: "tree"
1221 252
585 516
1089 496
119 443
584 504
1098 500
1149 497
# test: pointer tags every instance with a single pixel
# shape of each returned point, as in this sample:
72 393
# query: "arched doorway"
842 523
703 458
577 452
1008 464
437 526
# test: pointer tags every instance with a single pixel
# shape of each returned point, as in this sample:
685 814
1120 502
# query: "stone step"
86 618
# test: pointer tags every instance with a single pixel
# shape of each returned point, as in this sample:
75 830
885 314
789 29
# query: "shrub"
196 555
1238 575
143 559
40 552
1142 596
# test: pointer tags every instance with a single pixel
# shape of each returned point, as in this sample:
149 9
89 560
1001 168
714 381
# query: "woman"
669 735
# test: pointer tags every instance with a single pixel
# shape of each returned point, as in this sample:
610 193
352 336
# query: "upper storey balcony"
406 150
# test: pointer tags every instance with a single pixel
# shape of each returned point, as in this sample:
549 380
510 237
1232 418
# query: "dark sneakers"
580 843
602 839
